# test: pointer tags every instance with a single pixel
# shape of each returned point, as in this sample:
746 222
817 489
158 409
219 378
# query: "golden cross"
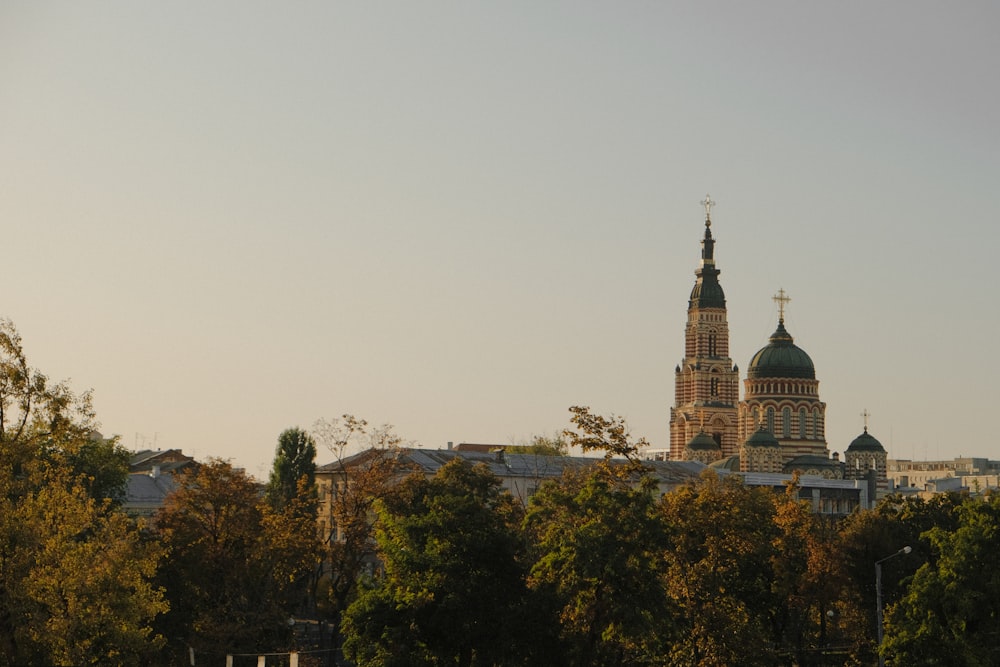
781 299
866 415
708 204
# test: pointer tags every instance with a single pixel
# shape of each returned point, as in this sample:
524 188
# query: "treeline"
595 569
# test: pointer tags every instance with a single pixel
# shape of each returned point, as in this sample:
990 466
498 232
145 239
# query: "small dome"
781 358
731 463
703 442
865 443
762 438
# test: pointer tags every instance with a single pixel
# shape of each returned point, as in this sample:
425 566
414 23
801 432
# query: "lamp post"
878 599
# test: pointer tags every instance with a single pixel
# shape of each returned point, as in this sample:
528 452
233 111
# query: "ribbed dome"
781 358
865 443
703 442
707 292
731 463
762 438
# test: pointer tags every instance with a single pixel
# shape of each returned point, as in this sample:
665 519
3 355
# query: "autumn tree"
354 483
294 460
237 569
452 585
74 573
719 569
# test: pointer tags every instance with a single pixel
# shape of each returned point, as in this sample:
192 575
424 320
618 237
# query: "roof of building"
781 358
506 464
865 443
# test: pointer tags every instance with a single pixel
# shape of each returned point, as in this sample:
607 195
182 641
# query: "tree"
75 575
237 569
452 584
950 614
294 459
597 560
543 445
348 500
719 570
869 535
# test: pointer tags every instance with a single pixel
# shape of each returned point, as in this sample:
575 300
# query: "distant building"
778 427
151 479
966 474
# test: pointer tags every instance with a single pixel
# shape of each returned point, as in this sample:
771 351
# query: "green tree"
74 574
237 569
598 549
719 569
452 584
950 614
294 459
869 535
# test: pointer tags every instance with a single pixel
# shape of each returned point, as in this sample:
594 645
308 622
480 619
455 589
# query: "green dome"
703 442
865 443
762 438
781 358
707 292
731 463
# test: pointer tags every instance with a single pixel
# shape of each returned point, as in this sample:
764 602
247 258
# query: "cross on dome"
866 415
781 298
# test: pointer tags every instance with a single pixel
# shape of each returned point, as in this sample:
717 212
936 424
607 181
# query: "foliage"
869 535
237 569
74 573
349 499
294 459
452 584
610 435
950 614
542 445
597 563
720 571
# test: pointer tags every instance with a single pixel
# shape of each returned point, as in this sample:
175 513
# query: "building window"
711 344
715 386
770 420
786 422
802 423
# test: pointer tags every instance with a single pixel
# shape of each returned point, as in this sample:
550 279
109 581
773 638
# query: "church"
779 424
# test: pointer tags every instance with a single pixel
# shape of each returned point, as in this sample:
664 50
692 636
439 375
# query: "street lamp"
878 599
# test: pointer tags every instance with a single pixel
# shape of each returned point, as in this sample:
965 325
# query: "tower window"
786 422
715 386
802 423
770 420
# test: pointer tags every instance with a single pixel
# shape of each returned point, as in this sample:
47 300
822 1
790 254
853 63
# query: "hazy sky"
230 218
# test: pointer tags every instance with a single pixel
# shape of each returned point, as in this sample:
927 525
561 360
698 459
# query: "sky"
232 218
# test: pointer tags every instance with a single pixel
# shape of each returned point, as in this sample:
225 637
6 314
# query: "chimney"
450 445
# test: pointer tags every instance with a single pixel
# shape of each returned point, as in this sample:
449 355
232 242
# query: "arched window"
802 423
770 420
786 422
711 344
715 386
815 424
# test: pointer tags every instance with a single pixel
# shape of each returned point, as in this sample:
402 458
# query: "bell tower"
706 383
